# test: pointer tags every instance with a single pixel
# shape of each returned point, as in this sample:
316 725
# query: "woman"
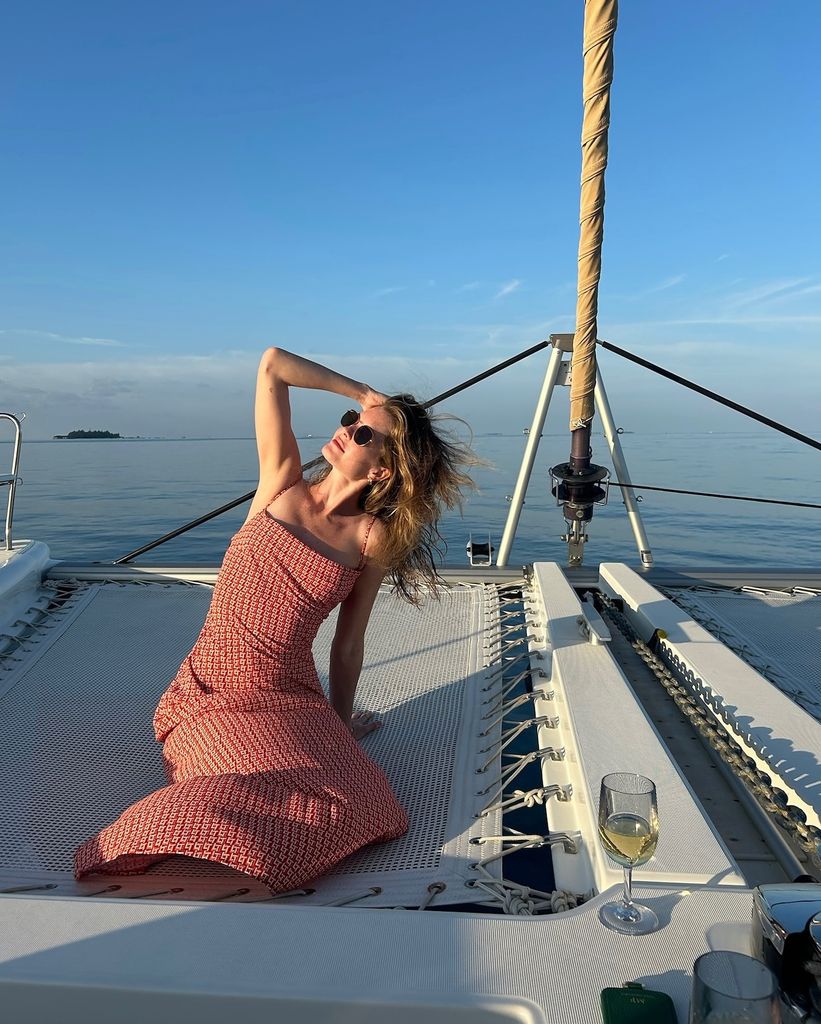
266 775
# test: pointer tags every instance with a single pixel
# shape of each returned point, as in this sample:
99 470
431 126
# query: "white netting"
76 743
778 634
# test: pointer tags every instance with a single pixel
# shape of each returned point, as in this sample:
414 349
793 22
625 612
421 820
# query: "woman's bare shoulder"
285 491
377 532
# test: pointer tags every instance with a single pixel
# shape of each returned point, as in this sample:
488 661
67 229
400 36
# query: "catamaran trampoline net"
777 633
77 695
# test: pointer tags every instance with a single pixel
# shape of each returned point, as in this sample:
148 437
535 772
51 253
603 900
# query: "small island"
74 435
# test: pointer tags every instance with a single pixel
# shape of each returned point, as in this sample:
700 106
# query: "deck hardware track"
773 800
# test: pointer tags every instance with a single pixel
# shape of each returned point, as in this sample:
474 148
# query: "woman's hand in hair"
363 722
372 398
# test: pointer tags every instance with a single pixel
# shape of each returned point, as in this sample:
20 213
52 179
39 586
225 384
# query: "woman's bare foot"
363 722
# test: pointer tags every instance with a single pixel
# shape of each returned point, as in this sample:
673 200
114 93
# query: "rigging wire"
317 461
503 365
743 409
713 494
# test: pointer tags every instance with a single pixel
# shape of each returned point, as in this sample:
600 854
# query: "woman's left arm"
348 647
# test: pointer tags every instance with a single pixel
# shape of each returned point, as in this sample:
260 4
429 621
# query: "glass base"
631 919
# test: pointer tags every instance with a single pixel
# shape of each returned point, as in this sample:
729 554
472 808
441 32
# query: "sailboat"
510 699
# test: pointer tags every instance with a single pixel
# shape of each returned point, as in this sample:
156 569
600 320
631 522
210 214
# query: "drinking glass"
629 832
731 988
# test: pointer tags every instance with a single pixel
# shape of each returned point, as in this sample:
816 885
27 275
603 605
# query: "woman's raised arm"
279 370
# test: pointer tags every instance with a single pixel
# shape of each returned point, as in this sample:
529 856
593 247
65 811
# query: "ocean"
97 500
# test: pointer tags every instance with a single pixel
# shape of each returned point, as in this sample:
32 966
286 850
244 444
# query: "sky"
393 189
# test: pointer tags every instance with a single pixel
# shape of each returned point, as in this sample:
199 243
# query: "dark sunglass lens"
363 435
349 418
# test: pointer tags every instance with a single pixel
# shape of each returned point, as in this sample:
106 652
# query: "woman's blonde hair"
427 475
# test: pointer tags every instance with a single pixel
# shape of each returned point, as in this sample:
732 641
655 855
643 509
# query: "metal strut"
578 484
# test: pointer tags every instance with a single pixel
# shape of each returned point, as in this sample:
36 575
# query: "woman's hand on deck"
363 722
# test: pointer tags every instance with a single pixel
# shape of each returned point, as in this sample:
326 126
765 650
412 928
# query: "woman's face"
359 461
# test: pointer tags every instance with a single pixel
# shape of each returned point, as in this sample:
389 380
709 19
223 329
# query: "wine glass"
629 831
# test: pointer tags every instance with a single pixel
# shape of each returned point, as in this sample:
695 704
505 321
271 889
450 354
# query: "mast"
577 481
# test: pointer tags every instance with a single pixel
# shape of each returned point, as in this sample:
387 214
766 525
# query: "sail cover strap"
600 18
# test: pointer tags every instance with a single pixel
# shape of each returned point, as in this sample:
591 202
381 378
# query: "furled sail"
600 17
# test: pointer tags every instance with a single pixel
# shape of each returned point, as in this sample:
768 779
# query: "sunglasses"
363 434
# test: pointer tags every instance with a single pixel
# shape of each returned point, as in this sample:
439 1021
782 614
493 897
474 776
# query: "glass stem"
628 881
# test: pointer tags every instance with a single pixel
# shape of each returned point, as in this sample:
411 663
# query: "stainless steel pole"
620 466
550 378
12 479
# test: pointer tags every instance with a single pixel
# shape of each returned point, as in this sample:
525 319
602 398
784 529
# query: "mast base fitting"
579 492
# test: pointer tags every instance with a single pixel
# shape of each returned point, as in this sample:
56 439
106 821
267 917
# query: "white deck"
164 958
611 732
324 965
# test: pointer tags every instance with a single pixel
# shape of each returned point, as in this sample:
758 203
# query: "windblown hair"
427 475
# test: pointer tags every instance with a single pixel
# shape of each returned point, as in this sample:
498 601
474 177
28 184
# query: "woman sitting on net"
265 773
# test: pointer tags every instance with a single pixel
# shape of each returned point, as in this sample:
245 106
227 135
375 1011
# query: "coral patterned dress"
264 776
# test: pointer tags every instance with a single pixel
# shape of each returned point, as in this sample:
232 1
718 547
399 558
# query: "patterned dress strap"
365 543
287 487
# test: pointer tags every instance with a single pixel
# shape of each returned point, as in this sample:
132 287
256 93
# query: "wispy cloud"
209 394
668 282
715 321
392 290
707 347
490 336
812 289
662 286
52 336
507 289
769 304
769 290
471 286
723 256
205 395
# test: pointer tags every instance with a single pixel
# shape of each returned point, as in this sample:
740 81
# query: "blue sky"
394 188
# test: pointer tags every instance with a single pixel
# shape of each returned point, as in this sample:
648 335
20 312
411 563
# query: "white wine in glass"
629 832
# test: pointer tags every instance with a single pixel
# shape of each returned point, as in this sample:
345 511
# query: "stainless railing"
10 480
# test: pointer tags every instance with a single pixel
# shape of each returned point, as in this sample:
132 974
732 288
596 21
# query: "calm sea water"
97 500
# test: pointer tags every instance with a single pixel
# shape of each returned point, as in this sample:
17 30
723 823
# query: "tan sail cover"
600 18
